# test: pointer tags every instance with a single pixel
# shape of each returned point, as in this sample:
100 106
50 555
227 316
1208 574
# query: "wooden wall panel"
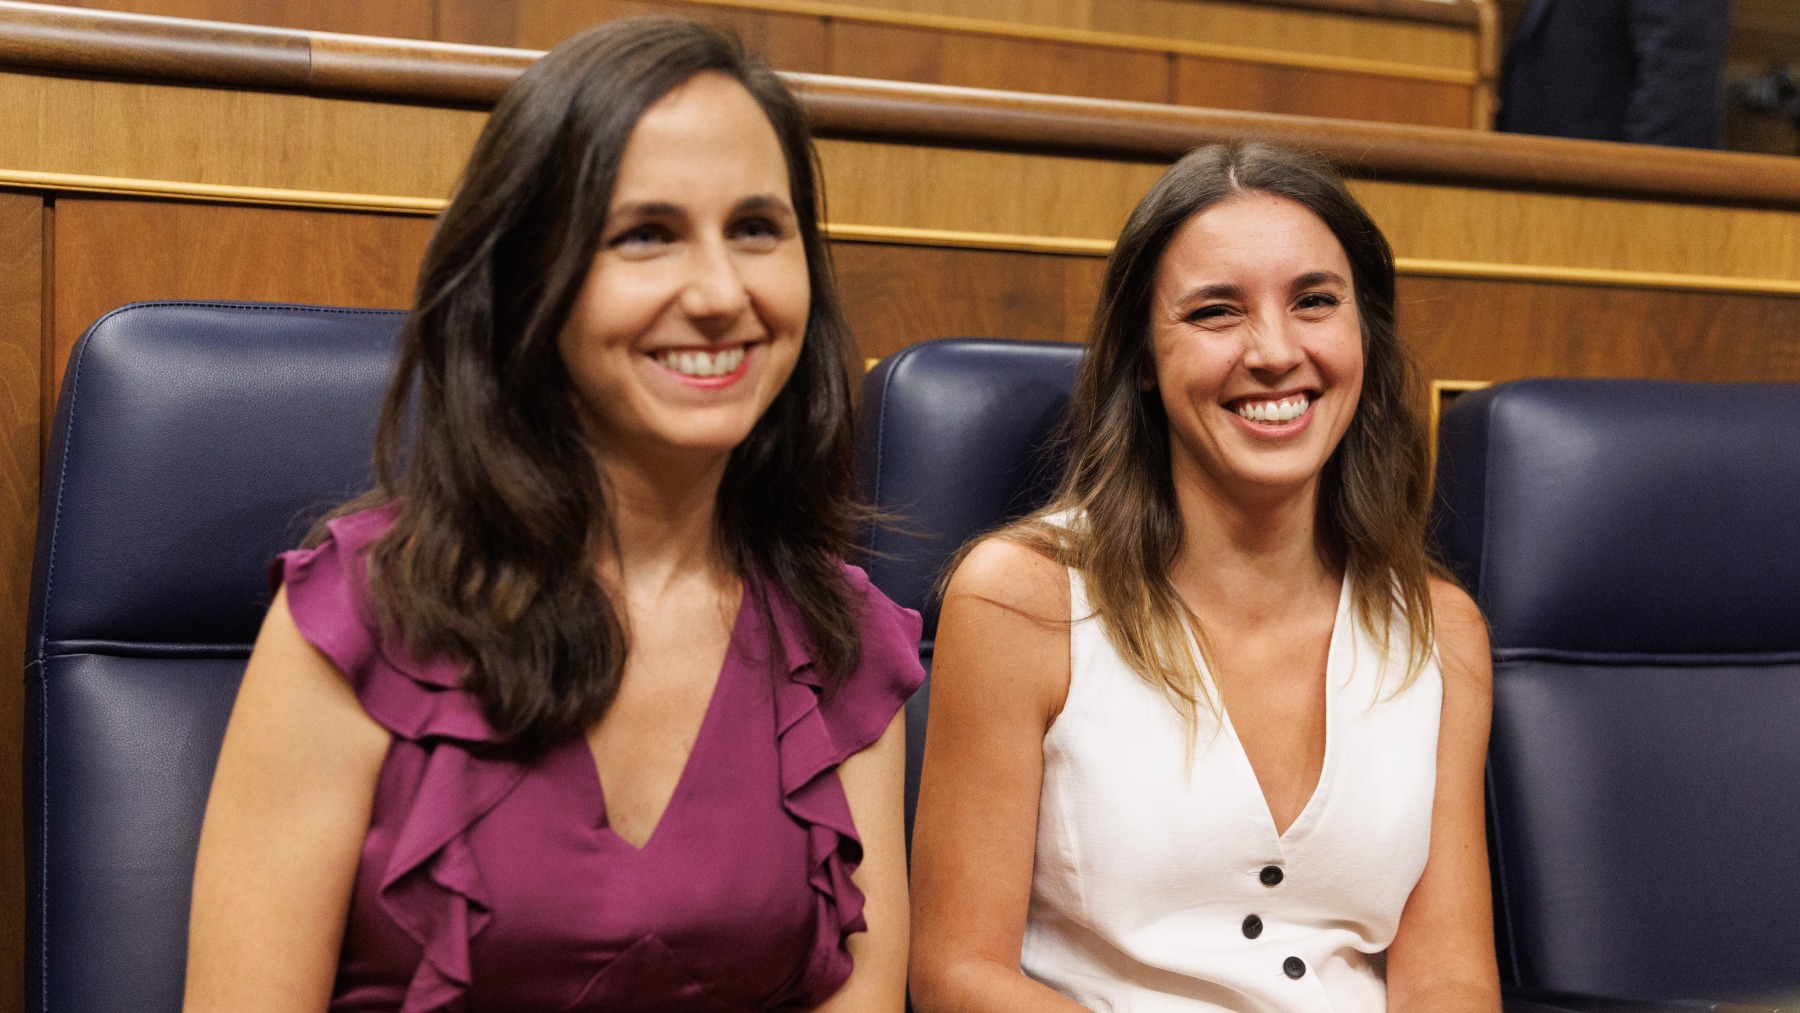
404 19
1494 226
21 356
786 40
1231 84
981 191
1463 329
245 138
974 293
111 252
1323 33
1051 13
927 56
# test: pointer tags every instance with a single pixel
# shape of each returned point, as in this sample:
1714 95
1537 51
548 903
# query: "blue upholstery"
955 436
192 442
1633 544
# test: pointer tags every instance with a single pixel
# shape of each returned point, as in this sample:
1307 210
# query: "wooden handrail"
98 44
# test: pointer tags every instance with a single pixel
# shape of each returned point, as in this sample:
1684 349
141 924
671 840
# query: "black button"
1271 875
1293 967
1252 927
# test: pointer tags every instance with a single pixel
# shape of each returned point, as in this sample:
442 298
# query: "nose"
713 295
1272 346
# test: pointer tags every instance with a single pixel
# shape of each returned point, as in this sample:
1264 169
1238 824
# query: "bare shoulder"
1012 577
1462 638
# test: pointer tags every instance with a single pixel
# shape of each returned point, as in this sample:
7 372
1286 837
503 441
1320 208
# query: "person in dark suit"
1647 71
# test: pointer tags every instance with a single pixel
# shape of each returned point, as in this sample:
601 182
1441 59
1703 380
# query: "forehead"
706 138
1248 238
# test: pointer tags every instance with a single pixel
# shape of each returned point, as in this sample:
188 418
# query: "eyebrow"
1311 278
762 202
1217 290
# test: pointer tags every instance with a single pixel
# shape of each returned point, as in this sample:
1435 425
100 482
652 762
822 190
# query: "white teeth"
704 364
1285 410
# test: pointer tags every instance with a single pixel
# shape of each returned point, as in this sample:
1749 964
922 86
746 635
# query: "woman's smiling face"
693 312
1258 346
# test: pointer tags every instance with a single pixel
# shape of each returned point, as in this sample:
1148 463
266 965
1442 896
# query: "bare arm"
284 829
1442 959
1000 675
874 782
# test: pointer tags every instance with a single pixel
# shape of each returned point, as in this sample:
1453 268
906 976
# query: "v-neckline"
1302 819
708 718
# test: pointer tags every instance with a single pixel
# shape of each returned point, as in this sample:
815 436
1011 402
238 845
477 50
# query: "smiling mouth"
700 363
1278 412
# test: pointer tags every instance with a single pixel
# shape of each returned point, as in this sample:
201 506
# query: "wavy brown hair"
1372 499
502 513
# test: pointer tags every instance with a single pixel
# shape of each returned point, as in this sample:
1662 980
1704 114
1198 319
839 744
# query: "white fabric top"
1145 873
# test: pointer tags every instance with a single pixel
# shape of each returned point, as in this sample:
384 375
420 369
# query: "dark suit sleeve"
1678 47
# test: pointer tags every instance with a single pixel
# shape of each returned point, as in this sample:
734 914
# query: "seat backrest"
192 442
955 436
1633 544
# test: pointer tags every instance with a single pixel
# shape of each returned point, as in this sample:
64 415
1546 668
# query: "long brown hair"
501 511
1372 500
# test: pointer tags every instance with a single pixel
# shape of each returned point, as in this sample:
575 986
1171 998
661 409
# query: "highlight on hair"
501 509
1120 526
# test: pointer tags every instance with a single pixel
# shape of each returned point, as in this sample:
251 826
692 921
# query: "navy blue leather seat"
955 437
192 443
1634 546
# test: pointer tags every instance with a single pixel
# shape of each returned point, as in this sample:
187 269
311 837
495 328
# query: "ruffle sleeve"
815 732
432 886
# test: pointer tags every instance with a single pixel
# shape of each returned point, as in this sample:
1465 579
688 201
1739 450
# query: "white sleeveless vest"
1158 889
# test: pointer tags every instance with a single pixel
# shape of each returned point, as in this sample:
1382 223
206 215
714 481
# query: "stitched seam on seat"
1506 912
887 381
255 307
44 843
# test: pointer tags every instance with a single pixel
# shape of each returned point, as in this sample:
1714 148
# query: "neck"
666 518
1250 558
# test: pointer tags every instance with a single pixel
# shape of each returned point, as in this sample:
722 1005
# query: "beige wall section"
214 135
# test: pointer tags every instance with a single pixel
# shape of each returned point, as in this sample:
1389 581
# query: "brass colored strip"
62 182
1595 276
968 240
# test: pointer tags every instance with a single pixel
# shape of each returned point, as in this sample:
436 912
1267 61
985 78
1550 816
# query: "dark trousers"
1649 71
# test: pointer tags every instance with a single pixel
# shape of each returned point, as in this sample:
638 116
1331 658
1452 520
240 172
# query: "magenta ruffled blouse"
489 883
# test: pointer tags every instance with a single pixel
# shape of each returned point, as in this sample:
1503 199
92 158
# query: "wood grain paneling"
1232 84
1286 29
789 41
111 252
21 355
974 293
214 135
1487 330
1480 225
405 19
892 52
980 191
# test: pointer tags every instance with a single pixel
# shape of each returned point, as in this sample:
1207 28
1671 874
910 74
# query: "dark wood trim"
36 37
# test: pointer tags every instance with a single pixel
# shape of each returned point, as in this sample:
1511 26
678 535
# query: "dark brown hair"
1372 498
501 511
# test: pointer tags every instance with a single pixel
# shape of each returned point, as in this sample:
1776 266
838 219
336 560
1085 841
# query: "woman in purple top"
579 709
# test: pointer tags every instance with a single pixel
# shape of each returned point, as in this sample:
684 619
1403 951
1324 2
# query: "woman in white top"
1207 733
